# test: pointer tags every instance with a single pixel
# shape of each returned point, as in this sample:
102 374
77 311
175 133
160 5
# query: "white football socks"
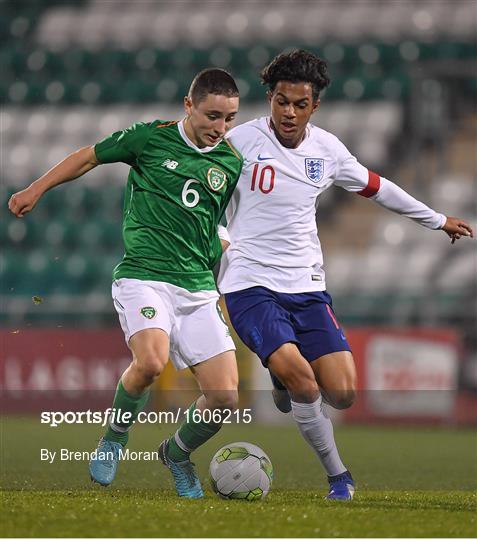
317 429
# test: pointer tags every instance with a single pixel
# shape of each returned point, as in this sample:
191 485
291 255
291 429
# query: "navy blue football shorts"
265 320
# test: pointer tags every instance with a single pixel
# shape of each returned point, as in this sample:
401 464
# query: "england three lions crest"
315 168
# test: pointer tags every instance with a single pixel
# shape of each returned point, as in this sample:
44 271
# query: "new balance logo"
170 164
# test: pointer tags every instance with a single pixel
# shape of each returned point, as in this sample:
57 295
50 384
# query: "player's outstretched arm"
73 166
394 198
456 228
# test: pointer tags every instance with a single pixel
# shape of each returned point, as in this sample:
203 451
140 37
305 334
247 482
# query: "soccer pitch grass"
411 482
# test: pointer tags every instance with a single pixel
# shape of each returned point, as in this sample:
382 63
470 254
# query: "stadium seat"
110 75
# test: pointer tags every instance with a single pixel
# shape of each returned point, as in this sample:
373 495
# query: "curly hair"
297 66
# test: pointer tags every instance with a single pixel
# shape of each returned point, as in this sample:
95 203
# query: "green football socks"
190 435
118 430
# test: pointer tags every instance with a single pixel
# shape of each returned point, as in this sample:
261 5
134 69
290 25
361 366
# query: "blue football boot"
280 394
341 487
102 469
185 478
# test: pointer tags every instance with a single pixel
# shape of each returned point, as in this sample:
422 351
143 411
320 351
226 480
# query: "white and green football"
241 471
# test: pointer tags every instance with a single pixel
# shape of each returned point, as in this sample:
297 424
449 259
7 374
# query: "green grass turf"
158 513
412 482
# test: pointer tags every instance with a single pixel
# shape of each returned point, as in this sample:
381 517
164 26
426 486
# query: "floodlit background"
402 99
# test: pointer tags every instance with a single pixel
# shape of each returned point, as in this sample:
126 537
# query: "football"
241 471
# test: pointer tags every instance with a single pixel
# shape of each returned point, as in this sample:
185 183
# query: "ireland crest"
148 312
216 178
315 168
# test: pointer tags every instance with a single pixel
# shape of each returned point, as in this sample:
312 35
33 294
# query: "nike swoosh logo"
260 158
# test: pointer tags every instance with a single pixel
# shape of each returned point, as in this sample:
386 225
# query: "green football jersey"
175 196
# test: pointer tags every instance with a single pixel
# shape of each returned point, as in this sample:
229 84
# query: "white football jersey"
271 215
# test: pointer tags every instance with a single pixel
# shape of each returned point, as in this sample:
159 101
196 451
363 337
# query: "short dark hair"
212 81
297 66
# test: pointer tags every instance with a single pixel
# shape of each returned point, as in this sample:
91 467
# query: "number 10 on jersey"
266 178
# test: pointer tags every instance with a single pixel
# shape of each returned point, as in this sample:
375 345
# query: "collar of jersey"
183 134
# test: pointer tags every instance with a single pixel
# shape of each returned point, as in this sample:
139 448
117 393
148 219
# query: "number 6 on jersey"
186 193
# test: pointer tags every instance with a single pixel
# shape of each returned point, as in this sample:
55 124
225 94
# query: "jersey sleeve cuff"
440 220
95 149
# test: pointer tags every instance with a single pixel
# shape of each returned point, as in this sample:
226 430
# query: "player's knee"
301 388
226 400
149 373
150 366
342 399
222 400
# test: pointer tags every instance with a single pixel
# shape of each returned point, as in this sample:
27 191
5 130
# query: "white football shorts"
193 320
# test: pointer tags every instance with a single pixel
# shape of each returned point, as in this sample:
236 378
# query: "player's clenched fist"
23 201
